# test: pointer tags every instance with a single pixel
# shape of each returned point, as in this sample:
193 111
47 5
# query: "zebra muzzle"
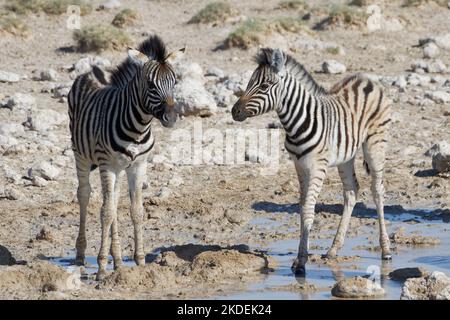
239 112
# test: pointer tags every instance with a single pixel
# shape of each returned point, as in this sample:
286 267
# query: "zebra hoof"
79 261
101 274
386 257
298 269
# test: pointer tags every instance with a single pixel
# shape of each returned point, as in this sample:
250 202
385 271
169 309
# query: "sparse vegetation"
12 24
332 50
346 15
125 18
293 5
416 3
213 13
100 37
358 3
252 31
53 7
342 15
247 34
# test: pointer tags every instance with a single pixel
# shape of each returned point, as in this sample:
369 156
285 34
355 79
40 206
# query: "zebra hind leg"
374 154
83 195
350 184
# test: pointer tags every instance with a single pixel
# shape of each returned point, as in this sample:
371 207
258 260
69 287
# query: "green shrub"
100 37
125 18
213 13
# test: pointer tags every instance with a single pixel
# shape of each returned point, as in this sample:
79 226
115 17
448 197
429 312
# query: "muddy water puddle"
364 259
279 284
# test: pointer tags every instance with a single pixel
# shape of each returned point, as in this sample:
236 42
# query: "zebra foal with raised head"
110 129
323 129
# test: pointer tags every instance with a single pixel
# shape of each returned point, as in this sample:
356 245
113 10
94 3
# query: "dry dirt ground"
208 205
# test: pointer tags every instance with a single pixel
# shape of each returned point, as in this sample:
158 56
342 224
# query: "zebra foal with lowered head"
110 129
323 129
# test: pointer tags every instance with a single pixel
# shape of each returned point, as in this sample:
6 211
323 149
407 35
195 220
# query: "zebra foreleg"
312 184
350 185
116 250
107 216
83 195
136 174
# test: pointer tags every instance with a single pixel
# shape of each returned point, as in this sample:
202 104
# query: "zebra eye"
264 86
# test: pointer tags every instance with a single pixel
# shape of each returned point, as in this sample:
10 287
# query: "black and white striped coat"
110 125
324 128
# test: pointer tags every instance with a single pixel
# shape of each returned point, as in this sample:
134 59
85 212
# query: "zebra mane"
153 47
294 68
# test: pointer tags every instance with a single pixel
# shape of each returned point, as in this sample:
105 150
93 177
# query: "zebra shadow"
392 212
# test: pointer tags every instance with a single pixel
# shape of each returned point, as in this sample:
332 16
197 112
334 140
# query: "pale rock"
438 96
440 154
45 75
193 99
357 287
215 72
44 169
11 129
436 67
6 76
415 79
435 286
400 82
20 101
430 50
110 4
45 120
333 67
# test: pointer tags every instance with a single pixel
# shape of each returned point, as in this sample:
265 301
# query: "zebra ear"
175 56
278 62
137 57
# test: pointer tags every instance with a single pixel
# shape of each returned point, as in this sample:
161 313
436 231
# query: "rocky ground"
220 207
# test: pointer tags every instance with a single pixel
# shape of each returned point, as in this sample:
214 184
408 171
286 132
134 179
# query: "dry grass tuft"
10 23
101 37
124 18
52 7
213 13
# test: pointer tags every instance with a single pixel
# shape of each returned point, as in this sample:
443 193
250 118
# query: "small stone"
438 96
111 4
430 50
215 72
333 67
11 193
176 181
45 170
436 67
39 182
44 120
44 235
405 273
20 101
164 193
11 129
45 75
400 82
6 258
435 286
6 76
357 287
441 157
